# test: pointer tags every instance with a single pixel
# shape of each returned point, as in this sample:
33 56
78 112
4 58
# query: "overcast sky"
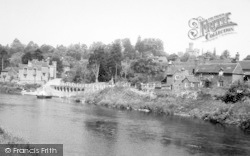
64 22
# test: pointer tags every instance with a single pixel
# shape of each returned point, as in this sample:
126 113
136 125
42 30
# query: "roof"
191 79
245 64
231 68
39 65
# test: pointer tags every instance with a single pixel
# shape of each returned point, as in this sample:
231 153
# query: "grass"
203 107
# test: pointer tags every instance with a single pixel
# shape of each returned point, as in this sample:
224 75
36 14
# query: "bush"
237 92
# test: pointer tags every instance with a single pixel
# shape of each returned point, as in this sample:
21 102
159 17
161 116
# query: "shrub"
237 92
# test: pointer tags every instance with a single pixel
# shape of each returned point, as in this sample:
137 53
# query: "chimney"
237 57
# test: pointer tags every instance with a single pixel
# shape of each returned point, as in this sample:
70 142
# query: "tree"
128 49
172 57
225 54
3 55
115 58
125 67
185 57
146 66
37 54
247 58
31 47
16 59
152 45
95 59
16 46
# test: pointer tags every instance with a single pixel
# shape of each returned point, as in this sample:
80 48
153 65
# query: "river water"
92 130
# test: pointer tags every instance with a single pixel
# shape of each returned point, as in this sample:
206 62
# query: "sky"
66 22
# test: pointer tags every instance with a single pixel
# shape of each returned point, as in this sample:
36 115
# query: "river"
91 130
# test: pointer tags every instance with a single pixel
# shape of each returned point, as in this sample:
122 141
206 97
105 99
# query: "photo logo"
210 28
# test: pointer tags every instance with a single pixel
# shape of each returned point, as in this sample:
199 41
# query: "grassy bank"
13 88
6 138
193 104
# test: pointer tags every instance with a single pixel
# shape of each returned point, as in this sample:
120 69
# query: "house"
9 74
246 69
37 71
190 82
223 74
174 77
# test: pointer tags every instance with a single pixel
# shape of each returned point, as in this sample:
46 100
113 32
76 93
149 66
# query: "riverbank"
6 138
14 88
193 104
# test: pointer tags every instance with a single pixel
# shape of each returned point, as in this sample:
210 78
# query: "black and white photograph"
124 78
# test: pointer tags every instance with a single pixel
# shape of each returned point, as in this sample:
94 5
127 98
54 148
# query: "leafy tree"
139 47
238 91
185 57
172 57
128 49
155 46
37 54
247 58
115 58
146 66
225 54
16 59
16 46
3 55
96 58
31 47
47 50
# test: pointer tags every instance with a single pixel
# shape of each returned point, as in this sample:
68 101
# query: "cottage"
219 74
190 82
37 71
174 77
246 69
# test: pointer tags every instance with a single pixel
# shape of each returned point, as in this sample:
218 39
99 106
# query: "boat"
43 95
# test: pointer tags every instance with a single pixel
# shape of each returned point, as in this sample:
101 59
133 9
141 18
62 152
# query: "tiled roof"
215 68
245 64
191 79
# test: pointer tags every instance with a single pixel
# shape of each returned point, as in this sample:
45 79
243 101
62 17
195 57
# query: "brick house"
246 69
219 74
37 72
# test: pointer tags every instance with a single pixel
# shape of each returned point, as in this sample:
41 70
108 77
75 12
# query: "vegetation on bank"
6 138
14 88
199 104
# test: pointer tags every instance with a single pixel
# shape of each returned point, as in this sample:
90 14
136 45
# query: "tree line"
98 62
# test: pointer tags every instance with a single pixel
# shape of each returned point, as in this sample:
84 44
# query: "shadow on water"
198 137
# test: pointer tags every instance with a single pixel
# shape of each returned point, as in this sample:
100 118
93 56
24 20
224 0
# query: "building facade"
37 72
219 74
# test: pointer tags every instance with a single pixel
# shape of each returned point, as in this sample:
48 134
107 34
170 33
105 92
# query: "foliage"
155 46
128 49
37 54
185 57
237 92
225 54
247 58
172 57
